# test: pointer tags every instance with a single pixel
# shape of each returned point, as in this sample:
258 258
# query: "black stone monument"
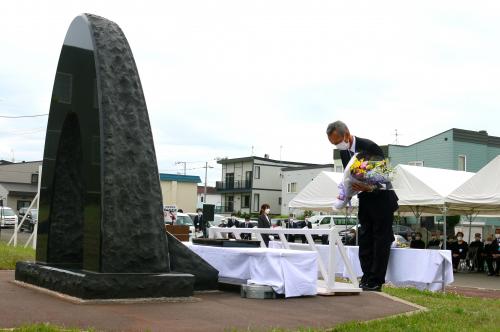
101 233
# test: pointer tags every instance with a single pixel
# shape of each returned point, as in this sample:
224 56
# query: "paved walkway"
212 312
476 285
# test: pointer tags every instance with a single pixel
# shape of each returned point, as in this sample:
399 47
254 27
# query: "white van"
340 222
7 217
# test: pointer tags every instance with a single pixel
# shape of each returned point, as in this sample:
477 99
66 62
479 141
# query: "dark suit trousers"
376 215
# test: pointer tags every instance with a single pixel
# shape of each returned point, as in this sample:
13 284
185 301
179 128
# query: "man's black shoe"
372 288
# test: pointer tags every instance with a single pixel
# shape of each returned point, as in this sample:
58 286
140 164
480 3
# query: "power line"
22 116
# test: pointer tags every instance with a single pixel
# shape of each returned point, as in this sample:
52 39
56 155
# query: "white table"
420 268
289 272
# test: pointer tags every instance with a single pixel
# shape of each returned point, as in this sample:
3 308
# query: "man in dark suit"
246 224
199 223
303 224
375 212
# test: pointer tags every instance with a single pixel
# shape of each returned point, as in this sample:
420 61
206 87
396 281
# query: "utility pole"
206 173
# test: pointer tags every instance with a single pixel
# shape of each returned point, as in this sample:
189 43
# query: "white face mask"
342 146
497 236
267 211
417 238
199 213
459 238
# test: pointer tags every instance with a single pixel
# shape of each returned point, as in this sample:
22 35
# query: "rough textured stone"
131 191
101 230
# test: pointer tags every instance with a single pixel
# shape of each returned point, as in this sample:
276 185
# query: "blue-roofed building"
180 190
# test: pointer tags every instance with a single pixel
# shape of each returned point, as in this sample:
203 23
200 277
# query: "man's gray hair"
337 126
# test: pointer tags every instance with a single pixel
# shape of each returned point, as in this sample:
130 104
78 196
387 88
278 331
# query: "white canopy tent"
424 189
321 193
480 194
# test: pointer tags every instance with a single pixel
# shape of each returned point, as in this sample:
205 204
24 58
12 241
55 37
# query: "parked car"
185 220
7 217
339 222
30 221
402 230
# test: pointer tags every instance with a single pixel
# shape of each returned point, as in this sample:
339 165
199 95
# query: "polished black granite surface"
101 209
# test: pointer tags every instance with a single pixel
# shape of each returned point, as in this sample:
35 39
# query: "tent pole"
444 226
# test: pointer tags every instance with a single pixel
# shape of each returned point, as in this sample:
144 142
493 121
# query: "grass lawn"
447 312
10 255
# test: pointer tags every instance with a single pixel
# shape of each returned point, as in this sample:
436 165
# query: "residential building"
249 182
18 183
213 197
180 190
294 179
456 149
337 162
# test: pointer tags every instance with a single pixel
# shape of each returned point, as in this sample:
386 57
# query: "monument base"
92 285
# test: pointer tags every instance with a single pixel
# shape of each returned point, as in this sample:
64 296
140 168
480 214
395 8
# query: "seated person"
417 243
477 243
458 250
290 223
246 224
492 249
434 243
232 221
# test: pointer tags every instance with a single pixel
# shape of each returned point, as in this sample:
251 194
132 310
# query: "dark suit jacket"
199 222
370 147
263 223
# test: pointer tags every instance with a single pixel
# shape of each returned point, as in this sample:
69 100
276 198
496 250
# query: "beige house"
180 190
249 182
18 183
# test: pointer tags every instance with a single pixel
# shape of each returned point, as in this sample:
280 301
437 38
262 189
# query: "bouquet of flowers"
362 170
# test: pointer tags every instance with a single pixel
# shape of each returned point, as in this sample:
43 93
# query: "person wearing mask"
290 224
304 224
377 204
478 246
232 221
199 223
417 243
458 250
246 224
434 242
493 254
265 221
450 242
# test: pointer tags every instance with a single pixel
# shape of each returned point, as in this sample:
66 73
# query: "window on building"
34 178
256 203
257 172
416 163
202 198
245 202
229 181
21 204
462 163
339 169
229 203
292 187
279 201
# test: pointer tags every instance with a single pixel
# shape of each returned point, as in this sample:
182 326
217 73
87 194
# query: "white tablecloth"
419 268
289 272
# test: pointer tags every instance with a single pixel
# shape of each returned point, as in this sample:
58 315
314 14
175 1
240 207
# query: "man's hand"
361 187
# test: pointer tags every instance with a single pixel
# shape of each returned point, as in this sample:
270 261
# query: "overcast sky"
222 76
